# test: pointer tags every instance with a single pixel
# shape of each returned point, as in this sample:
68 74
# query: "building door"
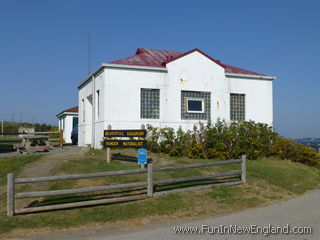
75 121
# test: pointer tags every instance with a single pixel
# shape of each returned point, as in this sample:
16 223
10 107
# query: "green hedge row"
227 141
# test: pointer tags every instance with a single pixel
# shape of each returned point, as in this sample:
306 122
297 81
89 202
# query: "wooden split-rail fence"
149 184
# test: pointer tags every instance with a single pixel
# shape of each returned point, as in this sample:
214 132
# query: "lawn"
268 180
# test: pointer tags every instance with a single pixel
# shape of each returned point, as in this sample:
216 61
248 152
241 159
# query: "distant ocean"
311 144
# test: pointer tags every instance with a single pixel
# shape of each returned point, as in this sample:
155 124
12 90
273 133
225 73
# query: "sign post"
142 157
143 152
108 149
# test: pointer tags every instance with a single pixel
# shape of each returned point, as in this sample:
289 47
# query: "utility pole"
2 128
20 113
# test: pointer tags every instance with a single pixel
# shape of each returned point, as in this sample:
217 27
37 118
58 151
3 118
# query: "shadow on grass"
6 148
125 158
125 193
88 197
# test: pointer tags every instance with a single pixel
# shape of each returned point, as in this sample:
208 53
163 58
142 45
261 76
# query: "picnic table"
33 143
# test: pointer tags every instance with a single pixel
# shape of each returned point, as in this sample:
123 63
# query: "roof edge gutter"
110 65
88 78
250 76
66 113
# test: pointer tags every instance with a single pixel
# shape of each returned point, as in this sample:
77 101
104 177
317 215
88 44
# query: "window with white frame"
237 107
150 103
195 105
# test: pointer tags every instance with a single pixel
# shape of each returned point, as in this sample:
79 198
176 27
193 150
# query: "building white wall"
193 72
120 88
258 98
88 115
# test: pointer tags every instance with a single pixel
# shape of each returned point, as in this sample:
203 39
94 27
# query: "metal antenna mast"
89 53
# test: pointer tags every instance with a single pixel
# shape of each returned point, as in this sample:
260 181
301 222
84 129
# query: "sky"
44 49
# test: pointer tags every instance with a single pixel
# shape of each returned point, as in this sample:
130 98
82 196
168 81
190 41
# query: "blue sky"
43 48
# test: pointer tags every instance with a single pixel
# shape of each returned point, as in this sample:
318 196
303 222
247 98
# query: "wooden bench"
33 143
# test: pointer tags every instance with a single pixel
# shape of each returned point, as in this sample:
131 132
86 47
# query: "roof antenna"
89 53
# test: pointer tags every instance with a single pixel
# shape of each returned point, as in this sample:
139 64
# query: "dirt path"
42 168
46 164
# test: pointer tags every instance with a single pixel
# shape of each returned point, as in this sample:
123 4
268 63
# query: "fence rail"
149 184
27 133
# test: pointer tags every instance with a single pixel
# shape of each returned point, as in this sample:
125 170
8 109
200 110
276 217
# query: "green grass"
268 180
15 165
8 138
294 177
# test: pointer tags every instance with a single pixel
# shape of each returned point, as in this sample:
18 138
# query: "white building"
68 119
167 88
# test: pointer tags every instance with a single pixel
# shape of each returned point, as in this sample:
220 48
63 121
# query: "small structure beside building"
68 120
169 89
26 130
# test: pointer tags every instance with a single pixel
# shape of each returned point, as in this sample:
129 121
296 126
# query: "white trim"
122 66
195 99
250 76
110 65
66 113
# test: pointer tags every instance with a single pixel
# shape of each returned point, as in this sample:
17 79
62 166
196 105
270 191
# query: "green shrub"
288 149
227 141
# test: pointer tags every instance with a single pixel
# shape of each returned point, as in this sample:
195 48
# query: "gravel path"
56 151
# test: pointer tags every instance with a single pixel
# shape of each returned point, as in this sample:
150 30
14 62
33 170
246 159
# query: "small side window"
195 105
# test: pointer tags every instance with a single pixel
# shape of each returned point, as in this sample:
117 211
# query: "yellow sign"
125 143
125 133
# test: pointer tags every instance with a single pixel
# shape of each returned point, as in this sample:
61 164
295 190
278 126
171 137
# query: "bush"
288 149
227 141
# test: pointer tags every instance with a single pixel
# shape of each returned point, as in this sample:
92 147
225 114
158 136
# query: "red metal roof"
148 57
159 58
74 109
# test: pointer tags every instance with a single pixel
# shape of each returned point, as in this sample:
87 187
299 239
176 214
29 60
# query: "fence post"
150 180
142 128
10 194
61 138
108 149
244 168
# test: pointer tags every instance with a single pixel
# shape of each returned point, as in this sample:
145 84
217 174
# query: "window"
97 104
150 103
83 111
237 107
195 105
